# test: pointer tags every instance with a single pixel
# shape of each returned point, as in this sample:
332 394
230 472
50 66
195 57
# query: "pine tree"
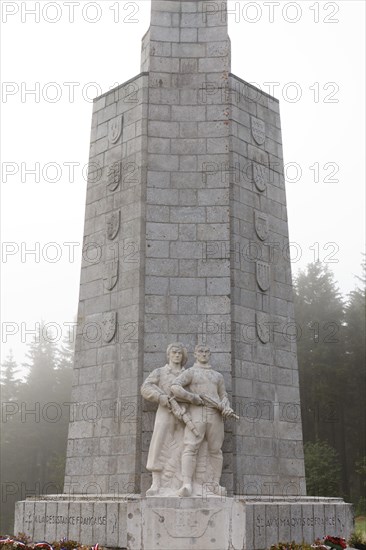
356 383
319 309
331 355
321 349
9 382
63 374
11 446
35 445
322 469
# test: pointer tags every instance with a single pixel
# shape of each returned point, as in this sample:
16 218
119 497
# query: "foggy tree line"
331 356
34 424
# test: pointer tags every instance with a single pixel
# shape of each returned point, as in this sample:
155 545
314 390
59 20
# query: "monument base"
172 523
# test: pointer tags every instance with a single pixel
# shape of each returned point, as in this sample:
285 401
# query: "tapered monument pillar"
185 239
186 220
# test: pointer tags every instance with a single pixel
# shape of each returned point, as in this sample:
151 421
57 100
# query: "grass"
360 525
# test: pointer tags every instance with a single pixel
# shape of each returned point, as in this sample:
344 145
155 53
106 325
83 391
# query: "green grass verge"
360 525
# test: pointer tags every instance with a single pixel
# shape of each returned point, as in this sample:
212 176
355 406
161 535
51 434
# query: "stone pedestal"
203 523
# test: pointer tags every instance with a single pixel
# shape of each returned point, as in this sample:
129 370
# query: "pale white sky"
309 51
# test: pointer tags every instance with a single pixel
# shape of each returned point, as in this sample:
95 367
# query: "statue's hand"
227 411
196 399
164 401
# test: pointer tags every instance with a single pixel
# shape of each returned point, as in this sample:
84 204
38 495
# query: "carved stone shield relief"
260 176
114 174
258 130
263 275
113 222
261 225
110 276
263 326
115 129
109 326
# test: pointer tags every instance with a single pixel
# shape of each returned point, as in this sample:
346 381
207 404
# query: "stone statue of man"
168 426
204 389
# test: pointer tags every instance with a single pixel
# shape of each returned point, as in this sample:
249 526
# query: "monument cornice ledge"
249 499
254 87
146 73
121 85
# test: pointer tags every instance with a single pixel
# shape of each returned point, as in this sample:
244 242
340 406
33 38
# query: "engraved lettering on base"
261 225
109 328
258 130
110 276
263 275
263 326
114 174
113 223
185 524
28 521
260 176
115 129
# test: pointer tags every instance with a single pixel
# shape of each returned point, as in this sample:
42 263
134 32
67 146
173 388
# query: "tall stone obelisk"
185 239
186 220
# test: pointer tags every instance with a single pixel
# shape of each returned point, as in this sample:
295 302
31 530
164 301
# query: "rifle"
216 405
179 412
182 414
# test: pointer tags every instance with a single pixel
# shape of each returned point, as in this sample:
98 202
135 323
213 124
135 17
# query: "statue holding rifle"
166 443
204 389
185 450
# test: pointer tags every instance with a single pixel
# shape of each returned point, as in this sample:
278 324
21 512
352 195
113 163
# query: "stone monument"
185 240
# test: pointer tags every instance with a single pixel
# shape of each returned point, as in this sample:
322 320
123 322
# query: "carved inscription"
258 130
28 520
185 523
70 520
262 522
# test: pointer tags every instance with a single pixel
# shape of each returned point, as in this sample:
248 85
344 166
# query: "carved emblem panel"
114 175
113 223
261 225
263 326
258 130
185 524
115 129
110 276
263 271
260 176
109 326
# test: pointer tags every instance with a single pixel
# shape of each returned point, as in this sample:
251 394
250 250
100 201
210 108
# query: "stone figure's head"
202 353
177 347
